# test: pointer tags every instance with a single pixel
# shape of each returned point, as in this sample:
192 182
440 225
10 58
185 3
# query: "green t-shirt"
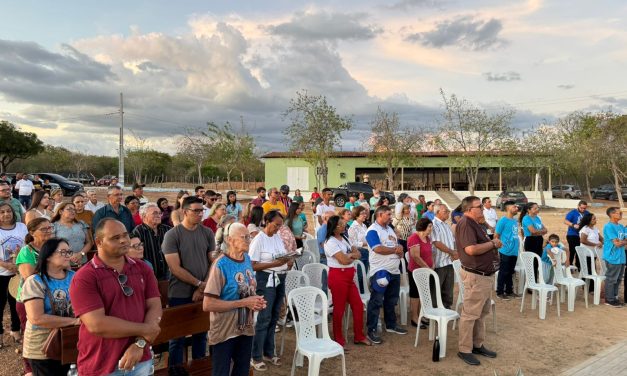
27 255
17 208
419 209
298 199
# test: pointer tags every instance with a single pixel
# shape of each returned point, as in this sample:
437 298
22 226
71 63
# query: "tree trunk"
325 172
619 192
542 199
228 179
242 175
587 175
471 180
390 178
199 166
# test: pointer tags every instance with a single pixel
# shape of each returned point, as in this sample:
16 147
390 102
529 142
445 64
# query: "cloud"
410 4
465 32
507 76
565 86
322 25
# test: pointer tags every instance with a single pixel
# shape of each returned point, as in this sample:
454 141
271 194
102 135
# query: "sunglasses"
127 290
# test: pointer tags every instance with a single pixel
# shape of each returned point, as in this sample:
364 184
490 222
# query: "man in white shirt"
92 203
385 275
210 197
443 248
490 216
24 188
325 205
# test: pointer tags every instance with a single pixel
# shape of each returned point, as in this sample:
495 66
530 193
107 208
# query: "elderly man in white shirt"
92 203
443 248
490 216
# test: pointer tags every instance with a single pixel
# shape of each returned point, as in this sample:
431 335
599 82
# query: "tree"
540 154
16 144
612 141
471 134
195 146
391 145
315 130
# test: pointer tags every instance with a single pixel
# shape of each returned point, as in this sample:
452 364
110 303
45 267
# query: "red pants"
343 290
21 312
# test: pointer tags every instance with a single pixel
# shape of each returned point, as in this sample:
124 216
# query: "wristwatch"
140 342
82 253
199 283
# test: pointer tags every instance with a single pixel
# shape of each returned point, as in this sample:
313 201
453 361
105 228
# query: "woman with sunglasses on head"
39 231
77 234
177 213
47 299
215 215
12 234
38 207
231 299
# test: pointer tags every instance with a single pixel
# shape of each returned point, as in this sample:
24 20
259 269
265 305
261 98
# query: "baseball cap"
137 185
381 281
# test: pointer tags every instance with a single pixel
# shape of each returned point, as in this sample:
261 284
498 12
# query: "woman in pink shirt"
420 256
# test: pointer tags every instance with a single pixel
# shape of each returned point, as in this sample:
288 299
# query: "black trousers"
48 367
534 244
238 350
505 283
573 241
4 298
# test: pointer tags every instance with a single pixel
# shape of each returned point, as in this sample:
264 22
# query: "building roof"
365 154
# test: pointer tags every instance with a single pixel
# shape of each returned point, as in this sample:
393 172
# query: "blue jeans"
177 346
236 349
141 369
25 201
613 276
387 299
263 343
505 283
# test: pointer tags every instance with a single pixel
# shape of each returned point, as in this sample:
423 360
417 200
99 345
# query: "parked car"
341 193
83 178
608 192
518 197
566 191
105 180
68 187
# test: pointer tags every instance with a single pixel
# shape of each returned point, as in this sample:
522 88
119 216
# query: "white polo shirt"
377 236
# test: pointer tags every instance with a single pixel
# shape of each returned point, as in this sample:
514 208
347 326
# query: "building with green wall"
433 171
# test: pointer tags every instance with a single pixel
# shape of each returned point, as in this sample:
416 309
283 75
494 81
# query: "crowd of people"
98 265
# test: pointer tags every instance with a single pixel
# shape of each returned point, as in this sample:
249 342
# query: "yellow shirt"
267 207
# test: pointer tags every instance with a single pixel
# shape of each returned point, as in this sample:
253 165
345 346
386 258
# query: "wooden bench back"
176 322
163 290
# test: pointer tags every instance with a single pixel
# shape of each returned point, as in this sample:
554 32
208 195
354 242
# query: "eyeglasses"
477 207
71 210
65 253
5 190
45 229
246 237
196 211
211 199
137 246
127 290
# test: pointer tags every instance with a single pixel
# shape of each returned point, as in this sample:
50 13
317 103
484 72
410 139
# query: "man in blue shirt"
114 209
572 220
507 231
615 237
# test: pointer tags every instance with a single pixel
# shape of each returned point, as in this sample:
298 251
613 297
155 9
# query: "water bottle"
73 371
152 365
436 350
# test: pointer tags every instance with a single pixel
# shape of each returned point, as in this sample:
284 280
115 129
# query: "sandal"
17 336
275 360
258 366
364 342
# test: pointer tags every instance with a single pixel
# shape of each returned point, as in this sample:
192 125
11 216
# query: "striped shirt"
152 248
441 233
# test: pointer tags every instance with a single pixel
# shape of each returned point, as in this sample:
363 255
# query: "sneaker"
396 330
513 295
374 338
469 358
483 351
614 303
502 296
289 323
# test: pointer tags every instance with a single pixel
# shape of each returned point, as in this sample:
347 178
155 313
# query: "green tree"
315 130
471 134
392 145
195 146
231 150
16 144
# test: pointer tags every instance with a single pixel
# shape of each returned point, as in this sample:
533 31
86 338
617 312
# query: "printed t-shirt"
333 246
528 220
377 236
11 241
507 229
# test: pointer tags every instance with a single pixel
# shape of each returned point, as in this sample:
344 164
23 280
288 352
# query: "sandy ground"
522 340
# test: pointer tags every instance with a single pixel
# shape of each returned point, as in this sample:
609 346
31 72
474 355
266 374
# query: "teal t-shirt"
297 226
611 253
528 221
507 229
545 253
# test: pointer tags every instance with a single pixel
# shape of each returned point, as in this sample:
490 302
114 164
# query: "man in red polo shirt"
117 300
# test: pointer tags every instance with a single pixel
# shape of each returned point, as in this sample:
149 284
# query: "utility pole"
121 149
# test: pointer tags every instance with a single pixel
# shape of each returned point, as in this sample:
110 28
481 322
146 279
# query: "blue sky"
181 64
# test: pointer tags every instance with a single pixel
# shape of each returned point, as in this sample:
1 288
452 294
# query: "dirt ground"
522 340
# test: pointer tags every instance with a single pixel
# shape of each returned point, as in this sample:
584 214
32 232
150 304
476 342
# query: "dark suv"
517 196
608 192
68 187
341 193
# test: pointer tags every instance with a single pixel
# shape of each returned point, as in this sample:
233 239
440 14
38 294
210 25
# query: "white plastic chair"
584 253
305 258
308 236
365 296
438 313
315 272
541 289
568 282
311 245
599 253
294 279
403 301
519 269
457 266
302 301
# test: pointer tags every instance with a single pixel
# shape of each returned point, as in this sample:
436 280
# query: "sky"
181 64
